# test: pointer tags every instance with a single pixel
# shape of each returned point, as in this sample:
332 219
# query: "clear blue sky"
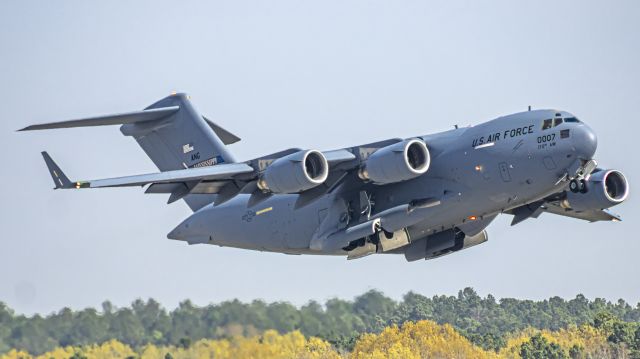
280 74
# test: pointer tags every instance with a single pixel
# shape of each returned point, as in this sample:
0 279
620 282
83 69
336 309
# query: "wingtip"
29 128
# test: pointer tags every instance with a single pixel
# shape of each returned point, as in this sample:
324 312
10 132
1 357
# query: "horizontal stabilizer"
59 178
225 136
117 119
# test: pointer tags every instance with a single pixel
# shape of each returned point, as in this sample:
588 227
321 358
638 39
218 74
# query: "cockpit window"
571 119
557 121
547 124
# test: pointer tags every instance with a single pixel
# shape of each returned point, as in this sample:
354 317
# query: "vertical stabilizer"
184 139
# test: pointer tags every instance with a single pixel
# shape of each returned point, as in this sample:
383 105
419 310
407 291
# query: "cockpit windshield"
557 121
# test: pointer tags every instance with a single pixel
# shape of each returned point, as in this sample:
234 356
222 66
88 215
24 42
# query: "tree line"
412 340
486 322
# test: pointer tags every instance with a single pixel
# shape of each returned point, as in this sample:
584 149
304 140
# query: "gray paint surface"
379 71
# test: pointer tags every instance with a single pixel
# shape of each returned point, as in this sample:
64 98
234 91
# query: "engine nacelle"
603 189
398 162
295 173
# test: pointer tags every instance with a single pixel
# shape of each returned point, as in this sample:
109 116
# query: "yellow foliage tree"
16 354
591 342
413 340
269 345
423 339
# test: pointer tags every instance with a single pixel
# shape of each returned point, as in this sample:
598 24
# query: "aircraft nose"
585 141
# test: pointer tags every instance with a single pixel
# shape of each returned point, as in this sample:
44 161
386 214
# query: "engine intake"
603 189
295 173
396 163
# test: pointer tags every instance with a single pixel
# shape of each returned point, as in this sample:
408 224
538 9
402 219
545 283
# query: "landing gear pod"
603 189
396 163
295 173
442 243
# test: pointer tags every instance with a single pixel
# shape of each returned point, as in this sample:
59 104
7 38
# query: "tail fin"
184 139
171 132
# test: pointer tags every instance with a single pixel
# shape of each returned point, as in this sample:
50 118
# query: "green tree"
539 348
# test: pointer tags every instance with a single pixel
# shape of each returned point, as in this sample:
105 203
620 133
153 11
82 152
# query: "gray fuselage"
475 173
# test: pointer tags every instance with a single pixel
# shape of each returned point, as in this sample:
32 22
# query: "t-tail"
172 133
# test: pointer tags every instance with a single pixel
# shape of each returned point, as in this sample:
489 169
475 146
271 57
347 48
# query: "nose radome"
586 142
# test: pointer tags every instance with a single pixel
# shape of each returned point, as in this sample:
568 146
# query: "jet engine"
295 173
398 162
602 189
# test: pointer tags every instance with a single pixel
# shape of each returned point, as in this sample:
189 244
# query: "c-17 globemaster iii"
423 197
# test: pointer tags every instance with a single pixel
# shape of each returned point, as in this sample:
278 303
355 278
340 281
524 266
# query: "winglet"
59 178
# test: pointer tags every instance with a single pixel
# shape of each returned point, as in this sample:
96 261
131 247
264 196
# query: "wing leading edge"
211 173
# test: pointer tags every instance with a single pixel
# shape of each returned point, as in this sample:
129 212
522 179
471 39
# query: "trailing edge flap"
531 210
154 114
224 135
181 191
228 191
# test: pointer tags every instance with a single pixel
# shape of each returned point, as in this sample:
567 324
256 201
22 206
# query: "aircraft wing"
591 216
552 205
225 179
210 173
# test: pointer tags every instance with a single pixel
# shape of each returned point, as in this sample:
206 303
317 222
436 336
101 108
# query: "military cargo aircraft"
423 197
